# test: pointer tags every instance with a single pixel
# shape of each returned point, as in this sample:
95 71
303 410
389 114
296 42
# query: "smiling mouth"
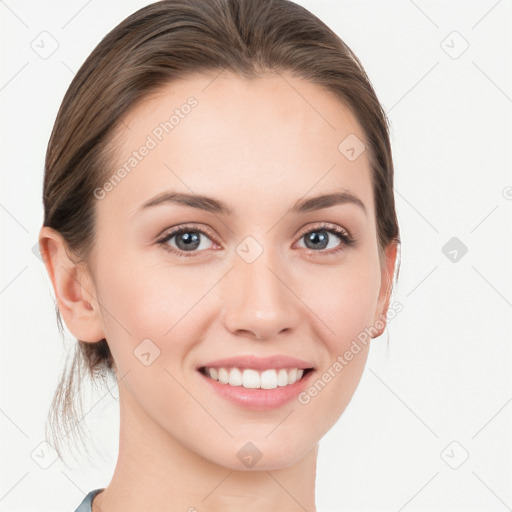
255 379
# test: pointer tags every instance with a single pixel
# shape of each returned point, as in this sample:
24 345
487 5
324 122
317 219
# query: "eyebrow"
212 205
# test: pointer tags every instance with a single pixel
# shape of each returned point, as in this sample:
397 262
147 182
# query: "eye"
324 237
193 240
187 239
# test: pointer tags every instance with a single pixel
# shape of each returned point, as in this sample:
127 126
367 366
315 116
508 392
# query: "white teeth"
282 377
269 379
223 376
235 377
253 379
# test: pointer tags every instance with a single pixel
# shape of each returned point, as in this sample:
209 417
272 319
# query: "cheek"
345 300
152 301
148 317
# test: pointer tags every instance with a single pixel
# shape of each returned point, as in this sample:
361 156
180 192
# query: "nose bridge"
256 297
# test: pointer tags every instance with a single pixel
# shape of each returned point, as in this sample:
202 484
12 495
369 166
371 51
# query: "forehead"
227 136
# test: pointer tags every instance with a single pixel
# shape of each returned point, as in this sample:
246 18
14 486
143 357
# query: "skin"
258 146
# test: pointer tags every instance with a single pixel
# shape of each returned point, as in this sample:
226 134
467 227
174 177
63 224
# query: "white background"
447 374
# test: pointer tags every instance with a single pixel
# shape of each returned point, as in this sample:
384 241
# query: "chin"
261 454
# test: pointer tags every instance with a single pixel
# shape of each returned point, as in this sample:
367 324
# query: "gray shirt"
85 506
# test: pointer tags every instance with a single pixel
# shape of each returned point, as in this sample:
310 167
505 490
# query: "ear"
73 286
387 272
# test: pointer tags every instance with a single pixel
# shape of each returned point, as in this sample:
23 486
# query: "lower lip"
259 399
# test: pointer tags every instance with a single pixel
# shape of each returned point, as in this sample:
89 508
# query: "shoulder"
85 506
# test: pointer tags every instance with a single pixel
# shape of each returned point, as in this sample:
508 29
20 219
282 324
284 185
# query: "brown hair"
163 42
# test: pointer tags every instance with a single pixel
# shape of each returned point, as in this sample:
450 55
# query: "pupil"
190 241
315 237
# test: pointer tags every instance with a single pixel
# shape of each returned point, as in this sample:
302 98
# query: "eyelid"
191 227
327 226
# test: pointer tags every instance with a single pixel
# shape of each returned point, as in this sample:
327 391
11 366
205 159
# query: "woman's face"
268 279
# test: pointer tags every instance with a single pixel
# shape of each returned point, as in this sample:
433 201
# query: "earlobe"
73 287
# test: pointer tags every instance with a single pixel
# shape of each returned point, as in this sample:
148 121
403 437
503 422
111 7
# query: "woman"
221 235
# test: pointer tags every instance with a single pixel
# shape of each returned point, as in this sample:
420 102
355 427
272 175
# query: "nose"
259 301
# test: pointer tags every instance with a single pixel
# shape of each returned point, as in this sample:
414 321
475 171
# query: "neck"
156 472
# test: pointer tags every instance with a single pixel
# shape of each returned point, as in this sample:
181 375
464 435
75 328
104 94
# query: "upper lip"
258 363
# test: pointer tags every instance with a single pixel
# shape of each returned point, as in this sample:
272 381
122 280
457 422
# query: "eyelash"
346 239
